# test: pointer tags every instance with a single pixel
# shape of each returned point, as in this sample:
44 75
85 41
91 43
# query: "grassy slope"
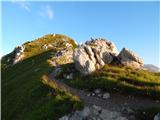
36 47
121 79
26 96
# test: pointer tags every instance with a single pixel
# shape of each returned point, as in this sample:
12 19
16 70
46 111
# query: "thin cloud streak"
23 4
47 11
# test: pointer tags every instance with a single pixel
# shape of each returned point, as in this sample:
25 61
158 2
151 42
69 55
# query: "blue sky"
133 25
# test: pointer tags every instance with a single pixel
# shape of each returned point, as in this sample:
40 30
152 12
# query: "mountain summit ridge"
29 93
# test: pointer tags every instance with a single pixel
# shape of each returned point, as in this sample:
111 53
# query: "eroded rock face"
129 58
18 54
94 55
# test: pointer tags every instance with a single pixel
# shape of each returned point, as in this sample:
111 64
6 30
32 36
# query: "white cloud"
23 4
47 11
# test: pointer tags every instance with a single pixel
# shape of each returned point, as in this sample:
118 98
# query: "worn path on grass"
114 103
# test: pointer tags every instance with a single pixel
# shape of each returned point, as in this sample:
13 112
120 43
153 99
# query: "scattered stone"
93 94
89 94
94 113
127 110
109 115
70 76
45 46
106 95
97 91
99 95
97 108
85 112
157 116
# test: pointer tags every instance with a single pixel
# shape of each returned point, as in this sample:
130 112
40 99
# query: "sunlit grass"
28 95
120 79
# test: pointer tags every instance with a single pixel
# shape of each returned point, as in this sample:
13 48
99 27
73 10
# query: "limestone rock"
83 62
94 55
97 91
106 95
129 58
19 50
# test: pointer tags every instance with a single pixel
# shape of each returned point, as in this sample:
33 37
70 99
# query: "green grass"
36 47
121 79
26 96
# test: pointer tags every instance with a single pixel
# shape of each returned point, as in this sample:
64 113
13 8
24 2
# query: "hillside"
43 79
25 93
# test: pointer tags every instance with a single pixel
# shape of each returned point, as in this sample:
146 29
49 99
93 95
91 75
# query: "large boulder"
94 55
129 58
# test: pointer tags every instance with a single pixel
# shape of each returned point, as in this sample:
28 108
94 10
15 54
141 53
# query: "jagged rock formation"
18 54
94 54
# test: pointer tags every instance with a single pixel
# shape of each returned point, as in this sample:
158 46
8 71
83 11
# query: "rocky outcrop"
94 113
94 54
62 56
19 50
129 58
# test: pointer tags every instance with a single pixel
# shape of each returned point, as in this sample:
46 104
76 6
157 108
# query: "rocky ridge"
94 54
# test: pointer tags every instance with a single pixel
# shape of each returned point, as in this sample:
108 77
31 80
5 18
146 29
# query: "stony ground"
120 103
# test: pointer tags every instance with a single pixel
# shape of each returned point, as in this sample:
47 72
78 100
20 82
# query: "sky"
134 25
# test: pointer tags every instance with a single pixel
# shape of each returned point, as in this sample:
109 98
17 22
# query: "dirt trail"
114 103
